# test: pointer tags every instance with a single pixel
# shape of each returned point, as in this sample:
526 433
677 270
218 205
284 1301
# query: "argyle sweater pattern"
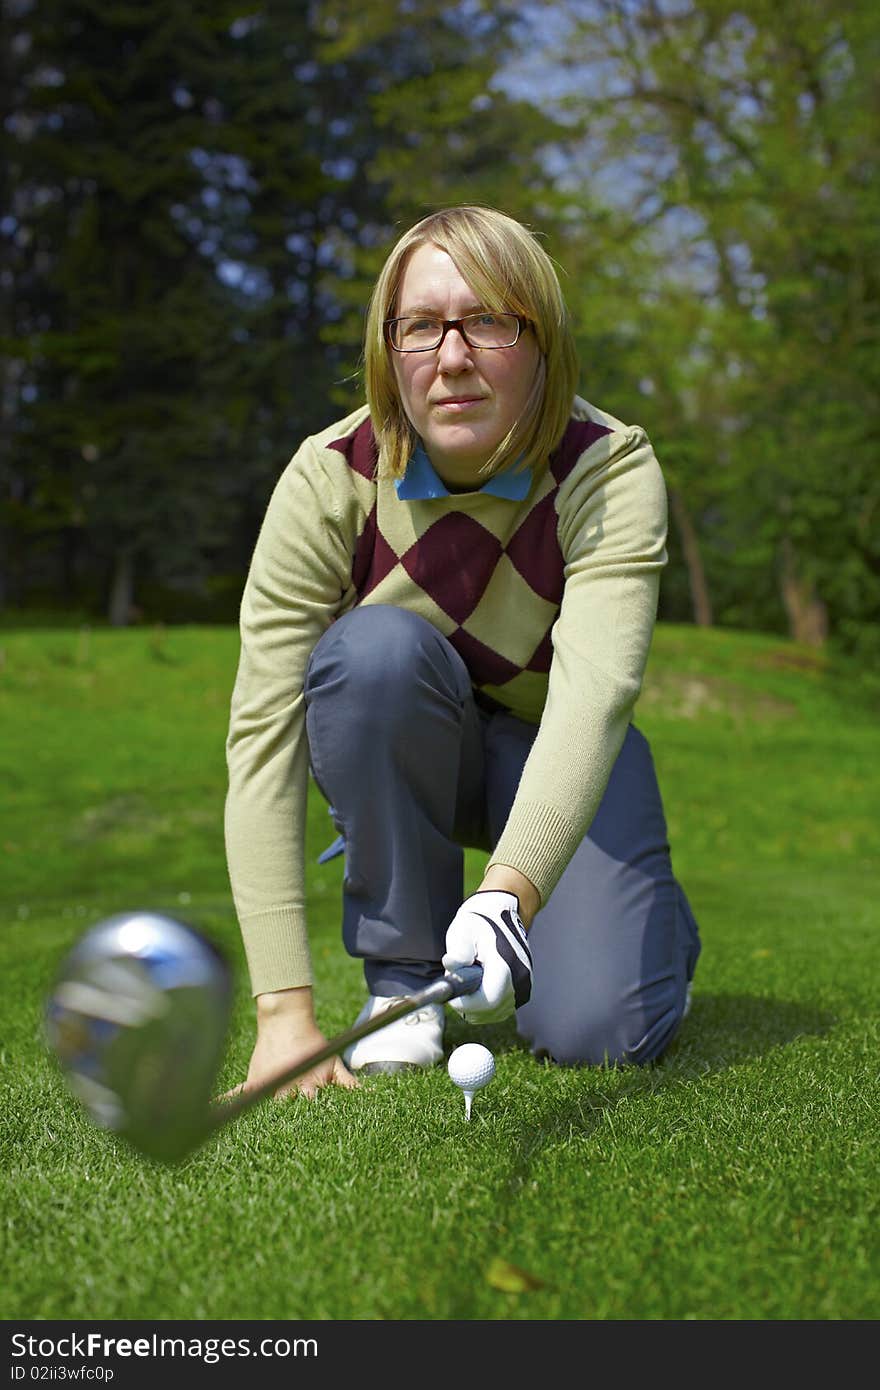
549 600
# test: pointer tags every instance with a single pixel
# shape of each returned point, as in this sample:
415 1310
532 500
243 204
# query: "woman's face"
462 401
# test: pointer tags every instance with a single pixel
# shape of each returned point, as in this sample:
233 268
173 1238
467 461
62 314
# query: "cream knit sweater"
551 601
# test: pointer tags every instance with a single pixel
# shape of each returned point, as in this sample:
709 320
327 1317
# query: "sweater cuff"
538 841
277 950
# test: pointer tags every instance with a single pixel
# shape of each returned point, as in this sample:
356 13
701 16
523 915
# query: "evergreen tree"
199 202
120 324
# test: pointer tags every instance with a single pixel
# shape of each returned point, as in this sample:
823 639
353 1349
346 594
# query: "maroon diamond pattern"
453 562
534 550
373 557
484 666
579 435
360 449
543 653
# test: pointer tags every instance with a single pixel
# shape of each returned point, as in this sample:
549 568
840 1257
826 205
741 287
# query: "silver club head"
138 1019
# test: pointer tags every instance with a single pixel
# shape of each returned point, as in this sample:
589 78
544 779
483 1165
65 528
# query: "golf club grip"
465 980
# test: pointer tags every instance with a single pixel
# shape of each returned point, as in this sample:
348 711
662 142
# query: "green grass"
737 1179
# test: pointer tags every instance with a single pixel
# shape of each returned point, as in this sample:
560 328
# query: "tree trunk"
690 545
807 614
122 588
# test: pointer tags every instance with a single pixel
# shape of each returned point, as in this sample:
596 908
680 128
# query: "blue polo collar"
421 481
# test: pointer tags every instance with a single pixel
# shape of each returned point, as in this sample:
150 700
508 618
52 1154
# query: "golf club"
138 1018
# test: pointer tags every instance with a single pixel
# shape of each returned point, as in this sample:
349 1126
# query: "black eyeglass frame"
458 324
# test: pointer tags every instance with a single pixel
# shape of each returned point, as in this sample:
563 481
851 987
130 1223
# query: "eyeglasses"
418 333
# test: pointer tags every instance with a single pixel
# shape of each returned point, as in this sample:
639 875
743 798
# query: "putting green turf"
736 1179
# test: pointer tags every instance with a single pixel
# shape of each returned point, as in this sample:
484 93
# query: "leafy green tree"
738 142
445 129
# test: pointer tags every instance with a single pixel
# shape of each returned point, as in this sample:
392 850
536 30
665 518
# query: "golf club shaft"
463 981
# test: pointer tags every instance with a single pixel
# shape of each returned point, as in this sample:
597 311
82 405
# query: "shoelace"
421 1016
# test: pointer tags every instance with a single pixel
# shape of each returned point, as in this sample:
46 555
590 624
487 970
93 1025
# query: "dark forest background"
195 199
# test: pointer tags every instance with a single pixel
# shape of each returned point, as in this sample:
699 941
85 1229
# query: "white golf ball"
471 1066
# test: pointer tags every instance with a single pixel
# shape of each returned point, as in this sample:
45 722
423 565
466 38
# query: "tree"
445 130
739 142
199 201
119 324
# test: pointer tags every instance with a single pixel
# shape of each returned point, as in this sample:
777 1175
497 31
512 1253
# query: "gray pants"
415 769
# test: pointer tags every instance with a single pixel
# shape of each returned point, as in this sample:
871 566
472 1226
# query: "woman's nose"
454 353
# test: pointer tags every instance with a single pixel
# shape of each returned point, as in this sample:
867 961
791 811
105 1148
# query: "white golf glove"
488 929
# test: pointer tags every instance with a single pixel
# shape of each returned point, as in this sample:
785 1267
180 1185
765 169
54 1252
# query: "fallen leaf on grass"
510 1278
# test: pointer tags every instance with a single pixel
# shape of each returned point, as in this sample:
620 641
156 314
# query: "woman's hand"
487 930
286 1033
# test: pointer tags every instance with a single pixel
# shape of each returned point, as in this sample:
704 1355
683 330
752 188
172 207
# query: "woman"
447 618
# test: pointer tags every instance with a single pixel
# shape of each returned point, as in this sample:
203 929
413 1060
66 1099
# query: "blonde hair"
508 270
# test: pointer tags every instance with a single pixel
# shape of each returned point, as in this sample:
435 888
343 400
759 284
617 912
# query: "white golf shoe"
413 1041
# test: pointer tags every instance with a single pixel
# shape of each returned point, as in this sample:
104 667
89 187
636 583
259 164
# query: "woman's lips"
457 403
